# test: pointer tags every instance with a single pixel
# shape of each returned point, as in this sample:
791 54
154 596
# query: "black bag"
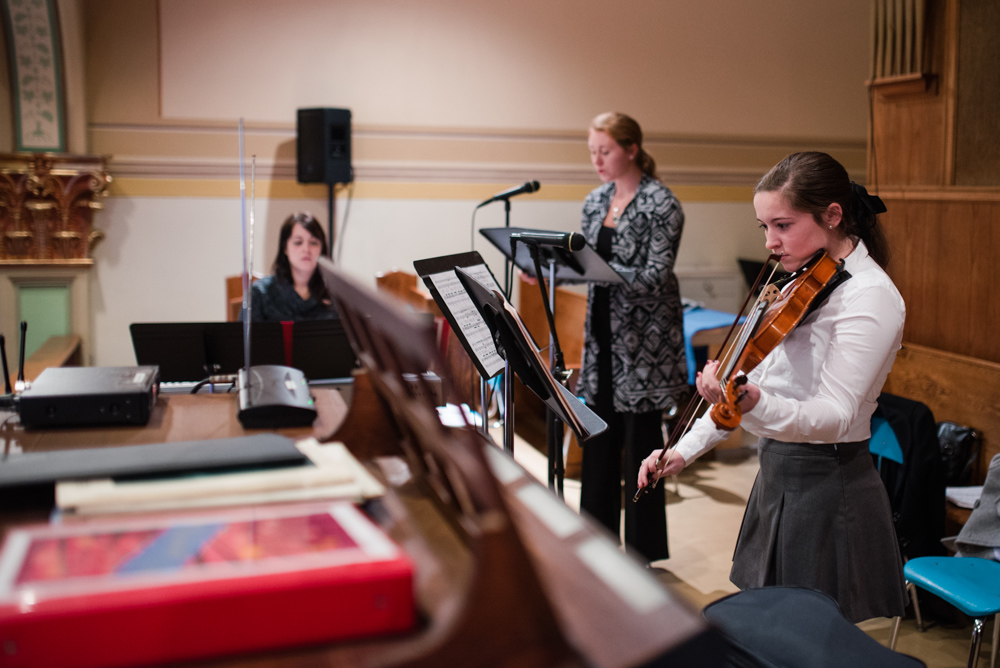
959 451
793 627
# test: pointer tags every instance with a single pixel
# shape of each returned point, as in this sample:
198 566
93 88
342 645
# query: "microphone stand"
508 374
331 227
554 428
507 273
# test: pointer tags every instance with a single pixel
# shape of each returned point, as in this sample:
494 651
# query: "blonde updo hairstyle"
626 131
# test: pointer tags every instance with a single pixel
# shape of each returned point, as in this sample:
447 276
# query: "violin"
779 309
775 315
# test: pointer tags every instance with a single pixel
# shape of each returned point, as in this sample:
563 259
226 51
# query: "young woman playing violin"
818 515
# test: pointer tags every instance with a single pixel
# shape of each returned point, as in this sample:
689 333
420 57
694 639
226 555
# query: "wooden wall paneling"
977 136
913 115
943 263
950 254
948 15
984 280
956 388
908 139
908 243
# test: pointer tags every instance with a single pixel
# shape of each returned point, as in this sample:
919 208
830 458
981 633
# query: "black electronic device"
82 396
274 396
323 146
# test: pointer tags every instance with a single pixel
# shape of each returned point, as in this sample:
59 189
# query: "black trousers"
608 458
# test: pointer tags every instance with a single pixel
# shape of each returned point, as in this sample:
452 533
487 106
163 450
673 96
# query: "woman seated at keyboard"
296 290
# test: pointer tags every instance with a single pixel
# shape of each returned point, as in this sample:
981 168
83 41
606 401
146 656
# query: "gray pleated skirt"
819 517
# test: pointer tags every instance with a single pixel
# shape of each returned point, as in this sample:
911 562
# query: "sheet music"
467 315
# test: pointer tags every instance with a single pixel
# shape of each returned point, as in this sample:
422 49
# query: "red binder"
174 588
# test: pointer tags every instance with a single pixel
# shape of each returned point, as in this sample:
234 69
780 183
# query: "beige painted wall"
742 68
452 101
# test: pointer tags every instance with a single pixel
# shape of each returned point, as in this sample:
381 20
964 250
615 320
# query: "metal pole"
508 414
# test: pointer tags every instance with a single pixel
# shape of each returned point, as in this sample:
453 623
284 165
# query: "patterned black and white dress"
633 361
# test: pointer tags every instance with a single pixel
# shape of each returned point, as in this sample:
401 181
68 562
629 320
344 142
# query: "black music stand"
583 266
192 351
564 266
515 345
438 274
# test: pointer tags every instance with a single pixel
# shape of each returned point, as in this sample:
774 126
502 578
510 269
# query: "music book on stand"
452 298
521 351
173 588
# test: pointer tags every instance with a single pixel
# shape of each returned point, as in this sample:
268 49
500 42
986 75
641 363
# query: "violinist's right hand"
672 464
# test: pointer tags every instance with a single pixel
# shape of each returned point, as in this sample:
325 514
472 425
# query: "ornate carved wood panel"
47 205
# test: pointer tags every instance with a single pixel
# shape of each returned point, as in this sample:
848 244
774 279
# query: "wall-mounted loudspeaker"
323 146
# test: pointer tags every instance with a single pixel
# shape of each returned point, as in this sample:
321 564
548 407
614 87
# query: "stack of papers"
963 497
330 473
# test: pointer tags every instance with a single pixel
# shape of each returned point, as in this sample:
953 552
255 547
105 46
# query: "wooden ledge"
905 84
56 351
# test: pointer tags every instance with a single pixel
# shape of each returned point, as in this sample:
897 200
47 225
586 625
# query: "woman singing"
633 359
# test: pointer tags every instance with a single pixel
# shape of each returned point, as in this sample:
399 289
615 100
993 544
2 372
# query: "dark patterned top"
648 366
276 300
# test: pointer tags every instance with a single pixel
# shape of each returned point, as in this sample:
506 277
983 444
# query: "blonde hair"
626 131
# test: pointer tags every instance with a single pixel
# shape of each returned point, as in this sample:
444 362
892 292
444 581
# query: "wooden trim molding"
938 194
906 85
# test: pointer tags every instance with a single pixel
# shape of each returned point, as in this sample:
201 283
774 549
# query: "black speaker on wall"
323 146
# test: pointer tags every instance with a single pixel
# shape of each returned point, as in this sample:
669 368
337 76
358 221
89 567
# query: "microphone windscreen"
576 241
534 187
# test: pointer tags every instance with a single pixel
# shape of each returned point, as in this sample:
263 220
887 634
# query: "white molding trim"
467 172
216 168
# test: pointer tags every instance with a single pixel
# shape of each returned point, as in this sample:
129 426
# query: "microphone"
529 187
571 241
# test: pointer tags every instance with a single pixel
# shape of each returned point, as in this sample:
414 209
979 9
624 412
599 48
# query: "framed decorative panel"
33 45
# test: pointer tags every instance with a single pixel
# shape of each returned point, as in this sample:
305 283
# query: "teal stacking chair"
970 584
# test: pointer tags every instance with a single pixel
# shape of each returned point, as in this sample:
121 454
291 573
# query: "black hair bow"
872 203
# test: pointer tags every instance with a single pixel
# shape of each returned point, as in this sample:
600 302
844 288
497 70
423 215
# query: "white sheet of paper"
467 315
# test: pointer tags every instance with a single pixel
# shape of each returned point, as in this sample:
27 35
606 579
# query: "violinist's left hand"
710 388
707 383
750 399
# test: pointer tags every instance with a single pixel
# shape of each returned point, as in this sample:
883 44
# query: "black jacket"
915 487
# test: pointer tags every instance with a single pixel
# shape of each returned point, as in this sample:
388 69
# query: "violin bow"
683 425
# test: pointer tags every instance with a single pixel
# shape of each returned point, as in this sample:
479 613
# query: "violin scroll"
727 414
